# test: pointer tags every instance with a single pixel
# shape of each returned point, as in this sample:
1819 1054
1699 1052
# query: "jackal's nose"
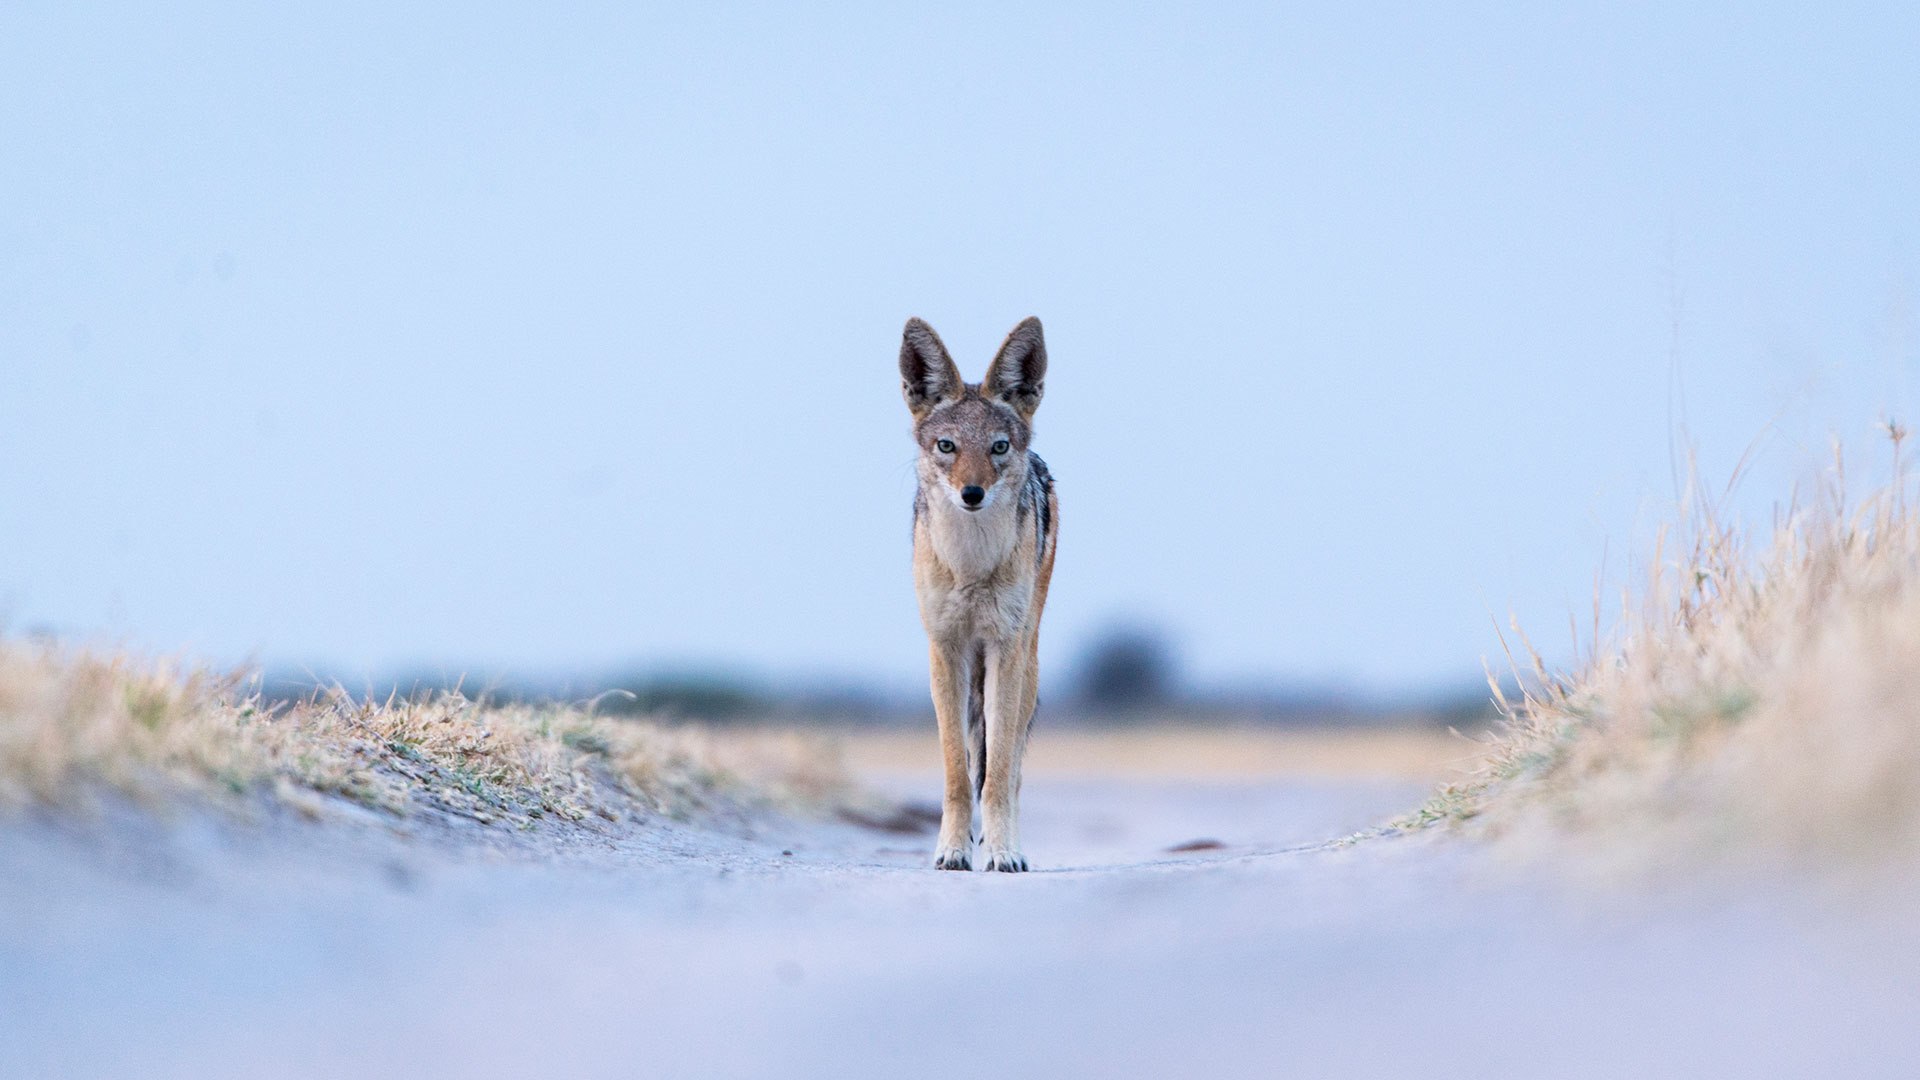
972 495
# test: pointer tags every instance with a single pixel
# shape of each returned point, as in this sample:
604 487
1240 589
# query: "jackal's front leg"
955 851
1008 671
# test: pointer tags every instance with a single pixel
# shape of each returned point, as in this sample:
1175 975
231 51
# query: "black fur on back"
1039 488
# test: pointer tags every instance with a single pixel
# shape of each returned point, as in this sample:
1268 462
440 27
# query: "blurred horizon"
1129 675
546 345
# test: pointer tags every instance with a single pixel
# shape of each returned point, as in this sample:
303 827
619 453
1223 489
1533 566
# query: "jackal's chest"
971 582
984 611
974 547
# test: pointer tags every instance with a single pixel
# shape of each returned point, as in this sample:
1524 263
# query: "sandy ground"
200 947
1423 754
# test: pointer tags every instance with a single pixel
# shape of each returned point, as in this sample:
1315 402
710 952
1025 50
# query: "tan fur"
981 573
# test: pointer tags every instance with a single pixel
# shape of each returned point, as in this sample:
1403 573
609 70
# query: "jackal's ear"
1018 375
927 374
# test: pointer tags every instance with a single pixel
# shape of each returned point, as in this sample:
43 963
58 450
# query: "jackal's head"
973 437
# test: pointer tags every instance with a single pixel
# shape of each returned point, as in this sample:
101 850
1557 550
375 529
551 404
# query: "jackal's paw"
952 858
1008 862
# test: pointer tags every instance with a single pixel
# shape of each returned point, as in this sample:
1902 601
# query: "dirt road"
205 949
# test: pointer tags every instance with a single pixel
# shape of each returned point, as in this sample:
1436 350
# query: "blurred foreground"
1187 917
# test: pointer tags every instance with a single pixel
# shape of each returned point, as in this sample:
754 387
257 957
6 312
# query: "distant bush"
696 697
1127 670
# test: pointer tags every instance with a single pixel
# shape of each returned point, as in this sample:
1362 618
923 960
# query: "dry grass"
1759 701
72 721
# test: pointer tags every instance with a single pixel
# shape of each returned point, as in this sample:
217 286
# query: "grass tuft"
72 721
1762 698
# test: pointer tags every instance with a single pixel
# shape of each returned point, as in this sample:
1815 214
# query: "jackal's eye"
1002 446
945 446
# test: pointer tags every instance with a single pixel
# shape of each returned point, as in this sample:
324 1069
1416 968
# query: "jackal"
985 524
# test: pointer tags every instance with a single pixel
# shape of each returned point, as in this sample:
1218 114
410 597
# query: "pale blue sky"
524 339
